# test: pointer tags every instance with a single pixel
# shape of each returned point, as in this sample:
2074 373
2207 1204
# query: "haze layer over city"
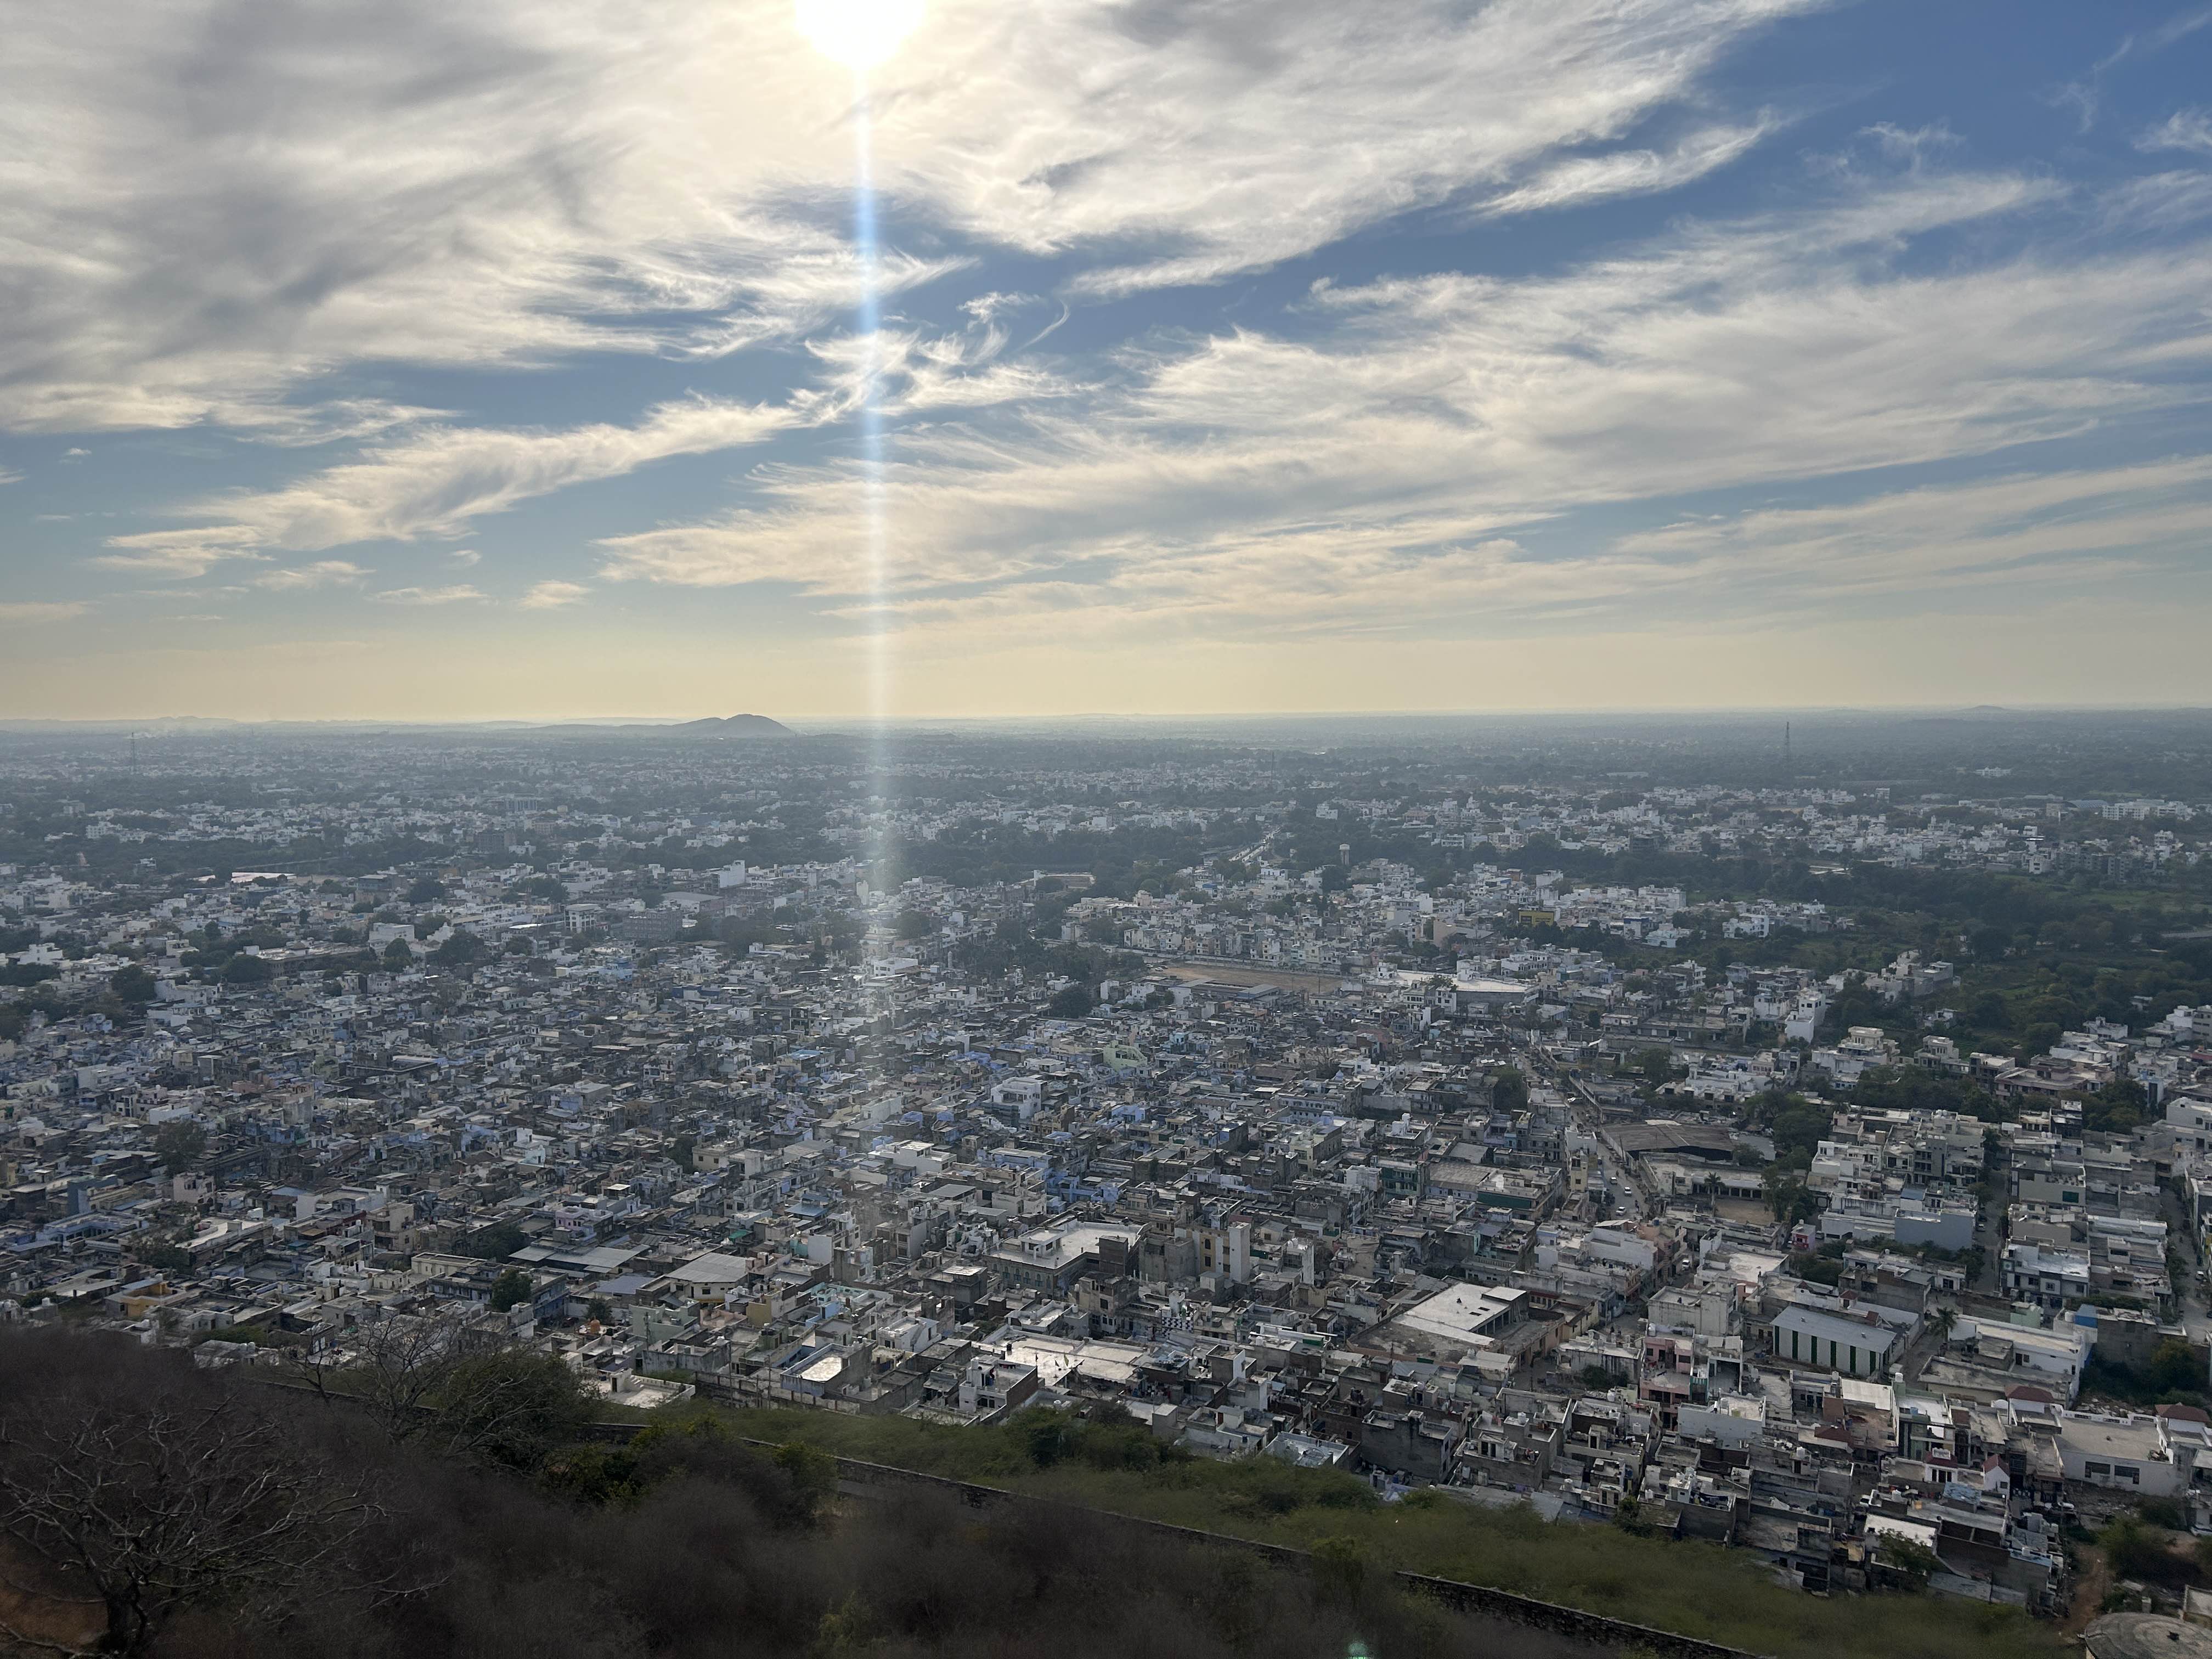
1219 829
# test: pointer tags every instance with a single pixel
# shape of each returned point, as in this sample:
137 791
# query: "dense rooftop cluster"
1772 1161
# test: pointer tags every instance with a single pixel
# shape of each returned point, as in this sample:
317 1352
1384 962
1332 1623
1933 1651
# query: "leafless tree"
134 1512
451 1376
395 1368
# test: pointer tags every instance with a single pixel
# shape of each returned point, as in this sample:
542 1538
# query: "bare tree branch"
451 1377
399 1368
40 1644
147 1509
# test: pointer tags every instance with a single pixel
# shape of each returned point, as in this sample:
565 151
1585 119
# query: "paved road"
2194 1309
1621 1179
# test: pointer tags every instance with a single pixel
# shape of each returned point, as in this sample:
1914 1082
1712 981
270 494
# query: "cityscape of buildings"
1301 1103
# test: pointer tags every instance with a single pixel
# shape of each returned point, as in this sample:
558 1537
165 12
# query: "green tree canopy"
463 950
179 1144
243 969
1509 1091
132 984
2120 1105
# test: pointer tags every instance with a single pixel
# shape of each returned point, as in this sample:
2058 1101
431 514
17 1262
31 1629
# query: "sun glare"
859 34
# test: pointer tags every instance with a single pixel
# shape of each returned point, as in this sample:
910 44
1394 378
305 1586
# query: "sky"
399 360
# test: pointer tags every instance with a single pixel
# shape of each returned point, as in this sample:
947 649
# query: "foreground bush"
304 1529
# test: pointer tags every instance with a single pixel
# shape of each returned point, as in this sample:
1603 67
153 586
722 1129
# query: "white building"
1832 1341
2050 1279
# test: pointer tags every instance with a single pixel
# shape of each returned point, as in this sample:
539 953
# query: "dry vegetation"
1696 1589
286 1525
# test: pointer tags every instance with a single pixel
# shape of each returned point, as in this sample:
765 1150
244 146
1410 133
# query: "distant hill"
730 726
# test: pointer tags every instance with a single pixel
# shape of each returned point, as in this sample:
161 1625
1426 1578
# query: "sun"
857 34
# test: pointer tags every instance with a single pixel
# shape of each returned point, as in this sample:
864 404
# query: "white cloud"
459 593
2002 532
464 555
1389 463
1245 134
917 373
436 481
209 211
217 206
8 478
339 420
2085 96
2180 26
1912 145
323 572
178 553
2186 129
1991 543
27 613
1581 180
2161 201
547 596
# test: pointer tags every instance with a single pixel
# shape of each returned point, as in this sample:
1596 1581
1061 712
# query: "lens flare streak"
861 34
875 549
871 422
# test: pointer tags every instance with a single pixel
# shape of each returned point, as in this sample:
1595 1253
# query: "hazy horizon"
817 724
